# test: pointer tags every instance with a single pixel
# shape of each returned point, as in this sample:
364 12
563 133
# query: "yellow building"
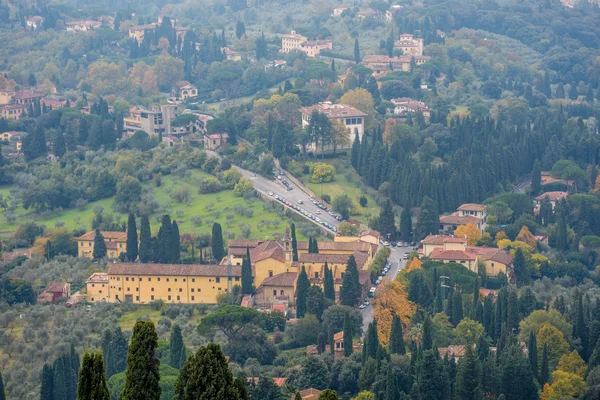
314 265
97 287
171 283
116 243
279 288
369 236
433 242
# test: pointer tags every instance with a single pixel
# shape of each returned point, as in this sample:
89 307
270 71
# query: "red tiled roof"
459 220
472 207
98 277
451 255
337 246
118 236
441 239
56 287
283 279
309 394
270 249
553 196
360 257
172 269
491 253
370 232
278 307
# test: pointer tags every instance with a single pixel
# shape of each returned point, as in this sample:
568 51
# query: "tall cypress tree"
387 222
397 345
99 246
218 249
175 253
356 51
301 291
47 383
92 379
119 349
468 377
142 376
132 239
391 386
533 354
106 346
247 274
457 308
328 287
405 223
177 354
165 240
580 329
351 289
355 155
294 243
146 250
347 335
427 335
206 375
536 178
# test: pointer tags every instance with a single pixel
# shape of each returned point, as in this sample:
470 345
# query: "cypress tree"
356 52
99 246
301 291
247 274
351 289
580 330
218 249
483 348
457 308
387 223
330 340
405 223
294 243
468 377
545 367
397 345
92 380
427 335
321 342
371 345
355 154
146 251
175 250
206 375
73 362
347 335
2 395
165 240
132 239
513 311
142 376
391 387
177 354
536 178
119 349
533 355
329 289
47 383
315 246
59 383
106 346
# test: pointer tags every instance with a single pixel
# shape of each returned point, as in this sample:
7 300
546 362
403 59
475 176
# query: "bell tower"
287 246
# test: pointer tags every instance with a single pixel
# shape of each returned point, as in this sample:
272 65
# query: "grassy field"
342 185
209 208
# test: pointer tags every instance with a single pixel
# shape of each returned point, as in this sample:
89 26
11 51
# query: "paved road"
398 263
520 188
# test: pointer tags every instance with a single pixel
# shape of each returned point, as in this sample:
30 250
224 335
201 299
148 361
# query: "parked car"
300 201
362 306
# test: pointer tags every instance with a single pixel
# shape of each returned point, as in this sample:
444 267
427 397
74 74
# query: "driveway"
398 263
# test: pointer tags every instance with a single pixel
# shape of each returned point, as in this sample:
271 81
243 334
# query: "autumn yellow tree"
391 299
470 231
501 236
597 185
572 363
565 385
388 133
362 100
526 236
339 137
414 264
322 172
554 339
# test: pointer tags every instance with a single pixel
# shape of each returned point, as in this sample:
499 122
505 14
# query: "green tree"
132 239
397 345
468 377
240 29
247 274
145 240
428 221
266 389
516 377
314 373
533 354
165 234
218 248
232 320
315 301
347 336
328 284
536 178
142 376
356 51
545 367
371 345
261 47
99 246
302 286
294 243
92 379
328 394
177 353
206 376
351 289
118 350
175 249
129 194
343 205
47 383
405 223
387 221
521 268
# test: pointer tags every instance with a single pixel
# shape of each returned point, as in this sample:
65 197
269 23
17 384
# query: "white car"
270 193
300 201
318 212
362 306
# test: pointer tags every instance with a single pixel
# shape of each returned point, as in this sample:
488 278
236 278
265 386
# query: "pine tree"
165 237
99 246
521 269
302 286
351 289
142 376
545 367
294 243
206 375
175 249
536 178
516 377
132 239
47 383
348 334
247 274
397 345
92 380
356 52
218 249
371 345
328 287
532 354
177 355
266 389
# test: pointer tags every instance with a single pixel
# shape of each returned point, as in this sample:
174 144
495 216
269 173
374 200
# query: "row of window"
353 121
217 279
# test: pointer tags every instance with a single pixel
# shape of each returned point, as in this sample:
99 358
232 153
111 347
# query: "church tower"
287 246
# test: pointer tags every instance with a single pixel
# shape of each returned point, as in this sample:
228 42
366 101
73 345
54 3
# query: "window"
282 293
180 290
93 285
152 289
175 279
149 279
218 280
237 278
348 120
192 290
128 289
359 120
270 274
198 290
137 289
274 292
152 297
184 279
178 298
158 279
169 290
137 298
100 291
193 279
316 275
353 121
167 279
169 298
127 278
140 279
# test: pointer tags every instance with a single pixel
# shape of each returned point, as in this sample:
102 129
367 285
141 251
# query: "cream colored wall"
263 268
493 268
97 292
428 248
455 246
145 289
85 249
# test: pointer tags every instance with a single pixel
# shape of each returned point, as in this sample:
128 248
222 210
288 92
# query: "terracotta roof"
361 258
309 394
56 287
223 135
337 246
441 239
491 253
339 336
172 269
459 220
98 277
118 236
452 351
243 243
283 279
370 232
11 255
364 277
451 255
334 110
553 196
270 249
278 307
26 94
472 207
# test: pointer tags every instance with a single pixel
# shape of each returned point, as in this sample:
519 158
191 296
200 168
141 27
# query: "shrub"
197 221
209 185
363 201
181 194
326 198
